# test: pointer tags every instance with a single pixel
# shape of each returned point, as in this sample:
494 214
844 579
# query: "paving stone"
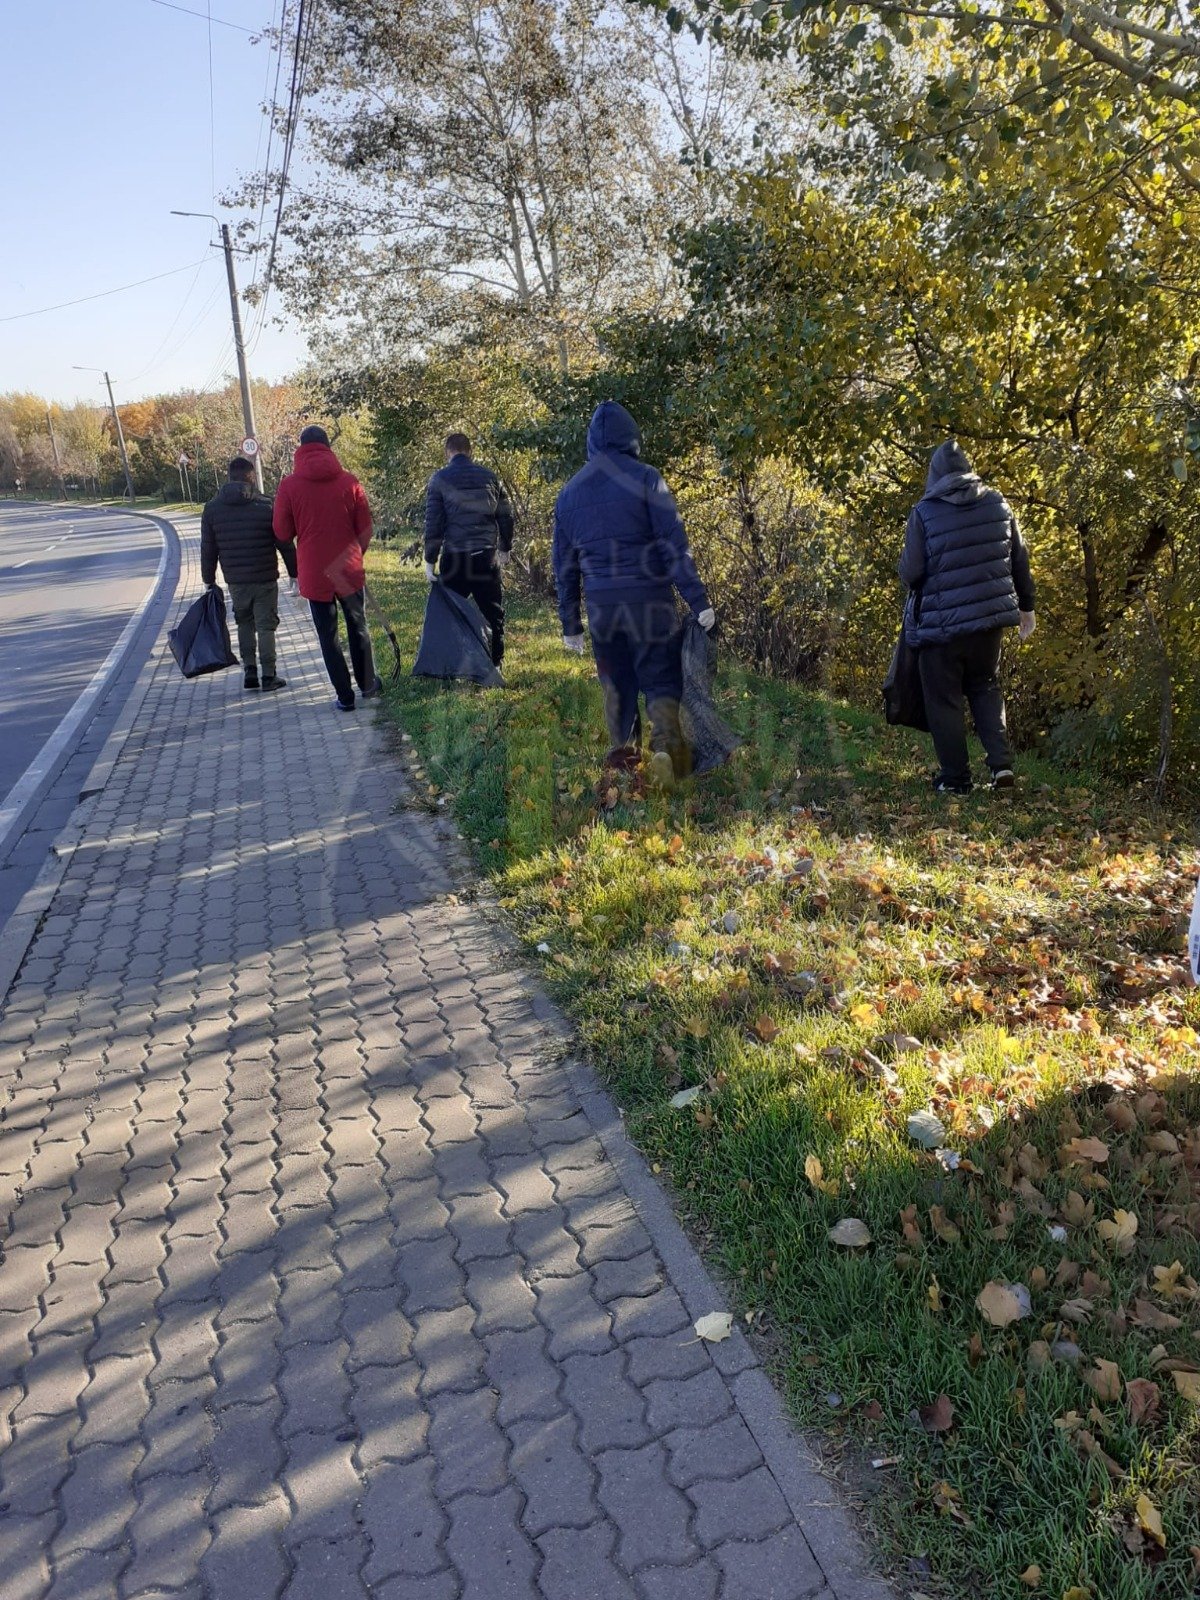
700 1581
471 1451
403 1519
24 1547
494 1558
649 1513
555 1477
325 1571
322 1485
609 1408
724 1449
167 1531
780 1567
522 1376
500 1295
390 1417
580 1566
688 1402
245 1454
749 1507
96 1501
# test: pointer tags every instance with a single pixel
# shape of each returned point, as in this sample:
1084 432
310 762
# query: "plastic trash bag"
200 640
903 696
711 739
455 640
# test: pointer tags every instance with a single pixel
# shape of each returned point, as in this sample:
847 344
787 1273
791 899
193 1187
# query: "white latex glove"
1027 624
293 586
707 619
430 572
503 557
574 643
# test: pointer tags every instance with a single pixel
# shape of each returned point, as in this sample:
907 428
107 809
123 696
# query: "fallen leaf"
1142 1396
1038 1355
901 1043
1002 1303
715 1327
1188 1385
815 1173
975 1350
1032 1576
1094 1150
1147 1315
697 1027
1150 1520
850 1232
1076 1593
1104 1380
1077 1311
1121 1114
1119 1232
938 1416
926 1130
863 1013
684 1097
946 1230
933 1297
766 1029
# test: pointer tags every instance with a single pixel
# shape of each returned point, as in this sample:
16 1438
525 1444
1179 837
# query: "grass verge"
959 1032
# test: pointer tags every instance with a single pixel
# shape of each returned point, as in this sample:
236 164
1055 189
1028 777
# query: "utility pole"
58 471
238 342
116 416
112 405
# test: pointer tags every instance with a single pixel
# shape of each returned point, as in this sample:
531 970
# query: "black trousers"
325 620
968 667
636 644
474 574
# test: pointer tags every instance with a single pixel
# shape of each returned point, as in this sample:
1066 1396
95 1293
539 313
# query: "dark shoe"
373 692
625 758
944 786
1004 779
250 681
274 683
344 705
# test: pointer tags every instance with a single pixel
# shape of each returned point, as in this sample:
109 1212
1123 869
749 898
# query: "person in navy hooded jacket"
619 539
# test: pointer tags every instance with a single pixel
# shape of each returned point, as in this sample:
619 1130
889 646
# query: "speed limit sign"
249 447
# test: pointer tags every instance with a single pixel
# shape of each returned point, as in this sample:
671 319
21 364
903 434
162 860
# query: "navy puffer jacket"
616 527
964 557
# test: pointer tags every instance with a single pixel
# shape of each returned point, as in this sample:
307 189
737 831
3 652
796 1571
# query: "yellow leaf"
1150 1520
697 1027
864 1014
946 1230
1120 1232
1188 1385
934 1294
1077 1593
1002 1303
1032 1576
1104 1380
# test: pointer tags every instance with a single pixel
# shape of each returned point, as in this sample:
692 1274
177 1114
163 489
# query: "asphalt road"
69 582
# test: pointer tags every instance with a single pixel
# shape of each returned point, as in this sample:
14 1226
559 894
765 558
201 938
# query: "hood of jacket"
951 476
612 428
316 462
236 492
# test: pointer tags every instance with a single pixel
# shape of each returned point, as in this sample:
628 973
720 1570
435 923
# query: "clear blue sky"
104 121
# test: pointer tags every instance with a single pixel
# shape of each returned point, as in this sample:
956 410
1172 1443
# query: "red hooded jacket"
324 509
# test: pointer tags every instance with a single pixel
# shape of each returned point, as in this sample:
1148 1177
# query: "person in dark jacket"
967 569
469 524
619 537
324 510
235 529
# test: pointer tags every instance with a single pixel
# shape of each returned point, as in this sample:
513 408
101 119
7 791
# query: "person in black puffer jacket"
235 529
967 568
469 524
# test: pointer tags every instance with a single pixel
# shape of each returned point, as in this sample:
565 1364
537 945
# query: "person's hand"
430 572
503 557
209 587
707 619
293 586
574 643
1026 626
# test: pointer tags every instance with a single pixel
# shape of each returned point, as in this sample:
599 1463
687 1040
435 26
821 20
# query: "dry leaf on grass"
1104 1380
946 1230
1188 1385
1147 1315
1142 1396
938 1416
1032 1576
1002 1303
1094 1150
717 1325
765 1029
926 1130
1120 1232
815 1173
684 1098
1150 1520
851 1233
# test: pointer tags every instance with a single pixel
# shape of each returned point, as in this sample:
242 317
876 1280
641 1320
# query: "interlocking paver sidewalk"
322 1275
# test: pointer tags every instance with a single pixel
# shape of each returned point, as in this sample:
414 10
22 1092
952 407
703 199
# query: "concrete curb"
18 932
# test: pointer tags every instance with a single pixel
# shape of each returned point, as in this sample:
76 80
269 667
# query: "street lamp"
120 431
238 344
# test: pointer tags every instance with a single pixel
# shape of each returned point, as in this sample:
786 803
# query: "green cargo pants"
256 612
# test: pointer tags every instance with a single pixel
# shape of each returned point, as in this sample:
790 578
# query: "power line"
212 115
188 12
272 114
304 37
157 359
103 294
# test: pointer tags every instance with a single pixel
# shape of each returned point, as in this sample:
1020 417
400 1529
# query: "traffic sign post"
250 448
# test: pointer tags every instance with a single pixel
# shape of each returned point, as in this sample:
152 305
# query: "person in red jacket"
324 509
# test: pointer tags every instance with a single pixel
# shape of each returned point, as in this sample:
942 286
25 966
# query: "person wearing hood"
967 570
619 539
236 530
323 508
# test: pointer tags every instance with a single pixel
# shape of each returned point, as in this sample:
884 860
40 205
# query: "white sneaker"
660 770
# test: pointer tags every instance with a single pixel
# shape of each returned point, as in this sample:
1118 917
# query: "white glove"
707 619
293 585
574 643
503 557
430 572
1026 626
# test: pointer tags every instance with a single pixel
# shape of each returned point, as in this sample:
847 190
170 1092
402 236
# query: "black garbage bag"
903 696
455 640
711 739
200 640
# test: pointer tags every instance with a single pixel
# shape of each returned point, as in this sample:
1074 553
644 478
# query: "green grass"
765 936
